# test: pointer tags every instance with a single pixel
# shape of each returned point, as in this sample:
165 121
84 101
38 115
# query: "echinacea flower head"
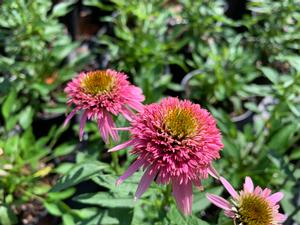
175 141
252 206
102 94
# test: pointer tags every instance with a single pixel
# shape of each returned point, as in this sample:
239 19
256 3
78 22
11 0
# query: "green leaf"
7 216
68 219
231 149
177 218
80 172
11 121
63 149
259 90
26 117
53 208
62 51
193 220
294 109
280 140
62 8
62 194
200 202
295 154
224 220
11 146
271 74
105 199
63 168
99 217
8 104
27 139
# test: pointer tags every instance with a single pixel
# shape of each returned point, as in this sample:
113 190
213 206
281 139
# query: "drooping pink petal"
212 171
219 201
110 125
102 126
248 185
183 194
198 184
276 197
229 188
69 117
121 146
131 170
82 124
127 113
121 128
145 182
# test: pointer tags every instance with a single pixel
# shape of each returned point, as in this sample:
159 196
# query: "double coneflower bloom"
102 94
175 142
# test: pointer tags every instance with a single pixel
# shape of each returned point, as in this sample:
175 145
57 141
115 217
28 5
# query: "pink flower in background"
252 206
175 142
100 94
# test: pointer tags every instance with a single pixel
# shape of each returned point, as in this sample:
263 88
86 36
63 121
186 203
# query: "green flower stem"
115 158
115 162
166 198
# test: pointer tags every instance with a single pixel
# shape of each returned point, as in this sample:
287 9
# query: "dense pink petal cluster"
175 141
253 205
101 97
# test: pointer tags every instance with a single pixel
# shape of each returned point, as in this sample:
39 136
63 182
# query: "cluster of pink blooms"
174 141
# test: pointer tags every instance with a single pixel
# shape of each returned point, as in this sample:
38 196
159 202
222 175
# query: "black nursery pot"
243 119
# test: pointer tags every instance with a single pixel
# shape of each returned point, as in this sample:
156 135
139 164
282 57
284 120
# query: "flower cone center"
254 210
98 82
180 123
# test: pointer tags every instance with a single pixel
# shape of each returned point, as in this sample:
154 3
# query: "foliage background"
239 59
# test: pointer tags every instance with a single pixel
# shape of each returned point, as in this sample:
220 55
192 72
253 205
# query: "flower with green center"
252 206
102 94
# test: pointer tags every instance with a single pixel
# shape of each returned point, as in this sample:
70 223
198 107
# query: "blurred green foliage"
245 72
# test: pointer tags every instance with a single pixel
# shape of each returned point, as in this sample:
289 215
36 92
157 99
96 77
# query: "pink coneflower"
101 94
252 206
175 142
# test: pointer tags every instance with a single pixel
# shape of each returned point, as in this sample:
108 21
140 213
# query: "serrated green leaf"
63 149
200 201
53 209
7 216
61 195
271 74
68 219
100 217
8 104
64 168
80 172
62 8
26 116
280 140
295 154
105 199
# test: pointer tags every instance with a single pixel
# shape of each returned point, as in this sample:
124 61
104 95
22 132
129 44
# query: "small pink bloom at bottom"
251 206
